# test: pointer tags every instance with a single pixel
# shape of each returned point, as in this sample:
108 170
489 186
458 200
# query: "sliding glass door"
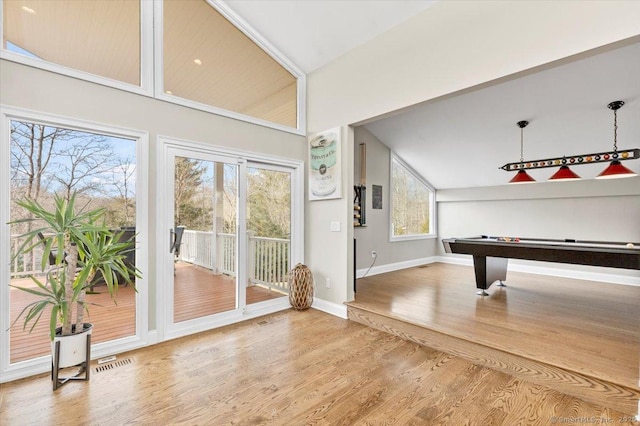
227 224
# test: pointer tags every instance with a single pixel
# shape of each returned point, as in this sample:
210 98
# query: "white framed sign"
325 179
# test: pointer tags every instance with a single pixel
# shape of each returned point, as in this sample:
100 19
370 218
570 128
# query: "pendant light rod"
522 176
615 169
522 124
615 106
568 160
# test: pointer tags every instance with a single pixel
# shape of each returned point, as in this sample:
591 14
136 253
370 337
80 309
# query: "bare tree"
81 164
46 158
33 148
123 175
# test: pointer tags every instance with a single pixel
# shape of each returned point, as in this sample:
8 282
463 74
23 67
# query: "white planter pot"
73 349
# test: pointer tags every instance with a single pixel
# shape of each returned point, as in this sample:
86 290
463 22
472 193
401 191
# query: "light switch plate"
335 226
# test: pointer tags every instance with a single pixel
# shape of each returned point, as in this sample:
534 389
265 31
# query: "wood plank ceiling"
102 37
234 74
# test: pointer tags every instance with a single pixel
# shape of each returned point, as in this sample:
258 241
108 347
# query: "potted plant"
78 249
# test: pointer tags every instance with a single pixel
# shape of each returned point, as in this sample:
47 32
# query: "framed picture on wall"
376 196
325 179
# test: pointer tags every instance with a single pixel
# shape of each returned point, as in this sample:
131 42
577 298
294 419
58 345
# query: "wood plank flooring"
577 336
293 368
197 292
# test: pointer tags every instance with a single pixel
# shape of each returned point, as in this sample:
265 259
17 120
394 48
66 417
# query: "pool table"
491 254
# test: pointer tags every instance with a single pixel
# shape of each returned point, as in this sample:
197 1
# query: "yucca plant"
85 249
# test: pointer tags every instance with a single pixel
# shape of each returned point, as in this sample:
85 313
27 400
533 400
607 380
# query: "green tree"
188 178
269 203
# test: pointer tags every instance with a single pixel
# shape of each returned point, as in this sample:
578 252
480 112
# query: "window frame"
432 198
12 371
151 65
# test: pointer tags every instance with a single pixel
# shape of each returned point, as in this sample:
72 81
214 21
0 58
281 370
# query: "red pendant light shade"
564 173
522 177
616 170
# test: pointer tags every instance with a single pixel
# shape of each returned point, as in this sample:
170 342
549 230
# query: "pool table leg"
488 270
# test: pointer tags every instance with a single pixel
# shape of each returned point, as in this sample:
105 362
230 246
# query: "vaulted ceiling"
457 141
206 58
313 33
462 139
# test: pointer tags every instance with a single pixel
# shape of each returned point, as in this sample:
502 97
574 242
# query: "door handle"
172 240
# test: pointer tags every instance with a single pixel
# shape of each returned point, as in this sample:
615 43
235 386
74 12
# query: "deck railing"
197 248
268 257
227 254
269 262
26 264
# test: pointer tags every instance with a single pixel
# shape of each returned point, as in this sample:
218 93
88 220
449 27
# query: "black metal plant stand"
83 374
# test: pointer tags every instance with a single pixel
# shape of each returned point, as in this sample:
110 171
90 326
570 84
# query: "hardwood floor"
294 368
577 336
197 292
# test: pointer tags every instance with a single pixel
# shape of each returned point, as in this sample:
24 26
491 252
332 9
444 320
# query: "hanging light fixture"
522 176
564 173
615 169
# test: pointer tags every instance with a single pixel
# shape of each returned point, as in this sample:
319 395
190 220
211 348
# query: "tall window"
412 202
99 168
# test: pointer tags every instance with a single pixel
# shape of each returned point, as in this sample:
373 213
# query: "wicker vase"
300 287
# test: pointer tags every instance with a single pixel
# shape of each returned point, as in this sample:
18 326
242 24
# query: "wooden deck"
197 292
570 334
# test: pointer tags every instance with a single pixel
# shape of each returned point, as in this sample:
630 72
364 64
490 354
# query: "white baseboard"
152 337
396 266
42 364
553 272
336 309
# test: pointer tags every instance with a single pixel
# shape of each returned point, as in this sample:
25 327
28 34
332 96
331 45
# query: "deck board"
197 293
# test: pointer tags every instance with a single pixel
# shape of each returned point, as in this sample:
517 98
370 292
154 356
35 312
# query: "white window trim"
151 66
42 364
432 198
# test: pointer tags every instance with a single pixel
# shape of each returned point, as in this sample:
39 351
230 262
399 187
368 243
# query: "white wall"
454 45
451 46
43 91
375 236
591 210
329 253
